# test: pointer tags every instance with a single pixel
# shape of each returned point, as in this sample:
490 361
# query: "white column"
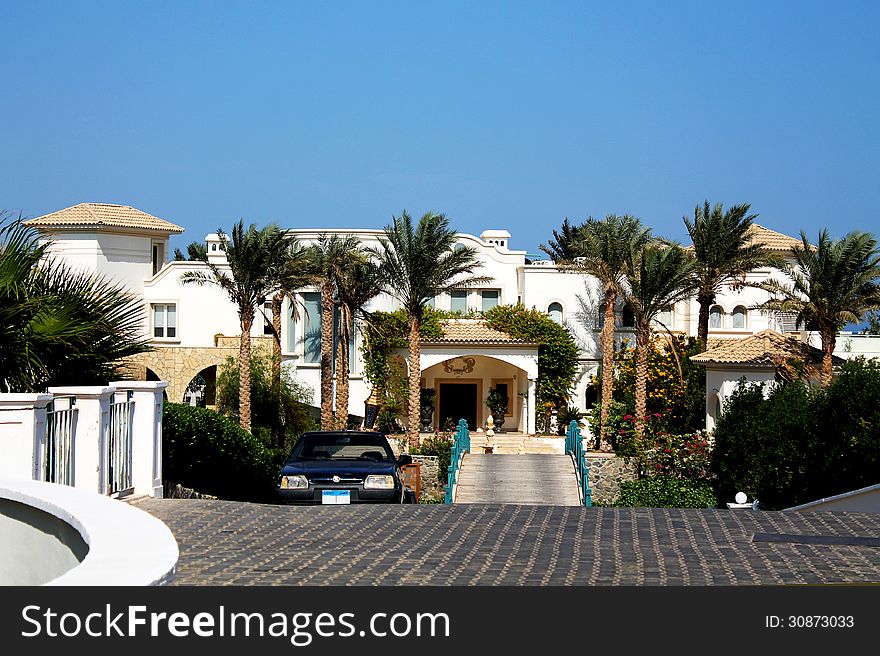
532 409
90 451
146 434
22 434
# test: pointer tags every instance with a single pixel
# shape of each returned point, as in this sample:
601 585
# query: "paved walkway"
228 543
531 479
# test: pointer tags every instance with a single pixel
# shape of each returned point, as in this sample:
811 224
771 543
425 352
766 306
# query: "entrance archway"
462 385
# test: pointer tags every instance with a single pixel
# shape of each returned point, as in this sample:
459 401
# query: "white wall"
722 381
125 258
203 311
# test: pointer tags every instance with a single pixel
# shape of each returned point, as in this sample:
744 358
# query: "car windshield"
342 447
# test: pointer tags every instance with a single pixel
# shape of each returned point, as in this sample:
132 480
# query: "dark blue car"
343 467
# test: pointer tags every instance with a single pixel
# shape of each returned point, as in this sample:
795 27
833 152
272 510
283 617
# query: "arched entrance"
462 385
202 389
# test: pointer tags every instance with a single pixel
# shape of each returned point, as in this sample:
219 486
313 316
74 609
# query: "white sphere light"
741 497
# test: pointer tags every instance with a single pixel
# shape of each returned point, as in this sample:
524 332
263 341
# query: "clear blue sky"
500 114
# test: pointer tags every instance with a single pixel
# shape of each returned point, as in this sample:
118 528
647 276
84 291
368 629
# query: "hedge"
211 454
666 492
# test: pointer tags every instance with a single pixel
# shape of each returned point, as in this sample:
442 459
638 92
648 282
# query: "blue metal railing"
574 446
460 445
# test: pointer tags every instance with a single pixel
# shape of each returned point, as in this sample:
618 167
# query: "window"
458 301
664 319
629 319
591 397
291 324
739 317
490 298
312 327
431 303
555 312
715 315
164 320
267 318
158 256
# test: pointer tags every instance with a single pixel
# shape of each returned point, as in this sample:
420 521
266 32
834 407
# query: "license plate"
335 497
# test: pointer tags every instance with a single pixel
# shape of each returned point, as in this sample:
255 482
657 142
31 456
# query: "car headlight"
298 482
376 482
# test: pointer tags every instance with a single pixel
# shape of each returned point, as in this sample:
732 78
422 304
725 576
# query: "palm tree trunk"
244 371
327 422
829 341
641 392
607 339
415 379
703 320
342 370
277 433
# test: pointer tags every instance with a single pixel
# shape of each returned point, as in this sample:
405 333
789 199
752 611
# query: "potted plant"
426 408
565 417
497 402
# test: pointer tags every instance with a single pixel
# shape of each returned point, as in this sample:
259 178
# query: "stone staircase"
532 479
517 443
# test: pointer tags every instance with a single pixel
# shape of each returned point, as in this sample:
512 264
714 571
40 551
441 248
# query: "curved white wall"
36 546
86 538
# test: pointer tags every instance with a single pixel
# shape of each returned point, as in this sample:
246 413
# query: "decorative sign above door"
452 366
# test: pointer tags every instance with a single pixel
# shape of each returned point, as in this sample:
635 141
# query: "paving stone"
229 543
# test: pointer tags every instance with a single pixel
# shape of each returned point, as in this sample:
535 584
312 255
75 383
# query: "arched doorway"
462 385
202 389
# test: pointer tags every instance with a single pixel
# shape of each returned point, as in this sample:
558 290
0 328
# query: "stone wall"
428 470
607 471
178 365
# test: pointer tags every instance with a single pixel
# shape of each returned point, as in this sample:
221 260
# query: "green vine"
557 350
386 332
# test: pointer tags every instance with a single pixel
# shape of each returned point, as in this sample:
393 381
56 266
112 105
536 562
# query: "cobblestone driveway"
229 543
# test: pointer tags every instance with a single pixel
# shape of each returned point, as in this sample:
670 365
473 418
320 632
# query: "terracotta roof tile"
98 214
472 331
763 348
772 240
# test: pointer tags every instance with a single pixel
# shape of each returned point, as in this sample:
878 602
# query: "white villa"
195 328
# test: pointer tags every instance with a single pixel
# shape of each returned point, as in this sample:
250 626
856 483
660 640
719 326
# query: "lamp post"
371 409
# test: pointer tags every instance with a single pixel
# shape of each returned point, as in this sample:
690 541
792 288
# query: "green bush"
801 444
763 447
666 492
295 417
441 446
847 429
212 454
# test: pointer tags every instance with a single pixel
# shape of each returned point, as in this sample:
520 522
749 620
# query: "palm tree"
334 255
59 326
297 269
355 289
661 276
833 283
195 252
604 249
254 258
723 253
417 263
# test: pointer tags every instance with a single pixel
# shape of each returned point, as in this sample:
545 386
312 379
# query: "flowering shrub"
676 387
679 456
